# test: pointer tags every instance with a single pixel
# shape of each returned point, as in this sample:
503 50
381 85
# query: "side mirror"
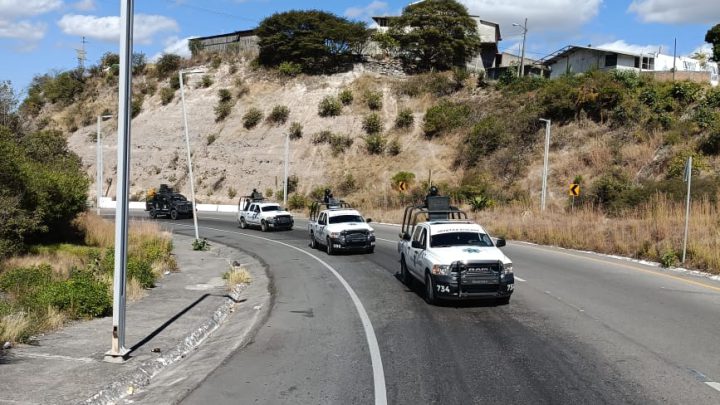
417 245
500 242
405 236
368 220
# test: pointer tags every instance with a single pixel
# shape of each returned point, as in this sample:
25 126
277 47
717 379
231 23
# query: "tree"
713 37
436 34
316 40
8 105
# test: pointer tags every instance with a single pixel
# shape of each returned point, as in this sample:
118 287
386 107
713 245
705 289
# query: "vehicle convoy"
452 256
255 211
338 227
165 202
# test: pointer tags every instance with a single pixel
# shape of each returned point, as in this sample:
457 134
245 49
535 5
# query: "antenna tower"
81 54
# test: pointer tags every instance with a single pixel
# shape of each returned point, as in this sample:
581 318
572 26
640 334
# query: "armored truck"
167 203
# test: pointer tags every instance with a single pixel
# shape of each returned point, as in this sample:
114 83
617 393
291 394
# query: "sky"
41 36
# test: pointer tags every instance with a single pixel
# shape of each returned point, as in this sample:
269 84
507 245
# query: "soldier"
328 197
432 193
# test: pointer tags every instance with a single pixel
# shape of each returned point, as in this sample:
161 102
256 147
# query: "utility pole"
81 54
189 155
674 57
545 163
118 353
521 68
287 153
688 179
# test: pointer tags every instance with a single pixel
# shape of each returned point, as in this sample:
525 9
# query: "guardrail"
140 205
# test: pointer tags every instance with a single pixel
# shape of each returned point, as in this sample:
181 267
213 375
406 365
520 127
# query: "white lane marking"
376 360
386 240
714 385
520 279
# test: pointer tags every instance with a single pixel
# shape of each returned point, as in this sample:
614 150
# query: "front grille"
283 219
480 274
356 237
482 288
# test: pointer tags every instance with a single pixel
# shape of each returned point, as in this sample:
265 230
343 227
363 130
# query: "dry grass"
135 291
14 327
98 231
54 319
235 276
62 261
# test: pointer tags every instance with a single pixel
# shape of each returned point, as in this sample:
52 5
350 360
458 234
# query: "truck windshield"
338 219
271 208
179 198
460 239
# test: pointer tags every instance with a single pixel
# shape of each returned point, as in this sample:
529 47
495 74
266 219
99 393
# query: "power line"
211 11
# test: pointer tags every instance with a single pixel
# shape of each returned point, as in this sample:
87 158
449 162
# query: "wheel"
503 300
264 226
174 214
153 213
405 276
371 249
313 243
243 224
429 290
329 247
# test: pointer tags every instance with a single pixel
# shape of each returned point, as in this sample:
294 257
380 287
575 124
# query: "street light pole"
287 153
99 178
118 353
187 144
521 68
545 163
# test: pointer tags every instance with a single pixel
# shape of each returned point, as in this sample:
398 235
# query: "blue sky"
38 36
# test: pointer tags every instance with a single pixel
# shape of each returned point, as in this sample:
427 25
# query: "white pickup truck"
339 228
263 214
454 259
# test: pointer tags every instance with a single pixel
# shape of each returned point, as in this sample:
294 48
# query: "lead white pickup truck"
263 214
340 228
454 258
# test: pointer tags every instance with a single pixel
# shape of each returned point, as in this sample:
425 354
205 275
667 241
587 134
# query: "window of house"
637 62
611 60
648 63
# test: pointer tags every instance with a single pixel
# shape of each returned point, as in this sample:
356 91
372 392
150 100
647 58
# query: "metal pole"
522 55
287 153
187 144
545 163
688 178
99 176
674 57
118 352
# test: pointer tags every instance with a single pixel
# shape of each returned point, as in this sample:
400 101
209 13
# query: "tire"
243 224
369 250
153 213
503 300
264 226
329 247
313 243
429 290
174 214
405 275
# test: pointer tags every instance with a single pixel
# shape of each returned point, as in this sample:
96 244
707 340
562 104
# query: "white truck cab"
340 228
257 212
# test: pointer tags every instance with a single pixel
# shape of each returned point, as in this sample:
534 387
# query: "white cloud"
622 46
12 9
85 5
108 28
543 16
24 30
362 13
175 45
676 12
704 48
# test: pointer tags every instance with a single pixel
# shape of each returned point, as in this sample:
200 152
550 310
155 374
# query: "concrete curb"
141 376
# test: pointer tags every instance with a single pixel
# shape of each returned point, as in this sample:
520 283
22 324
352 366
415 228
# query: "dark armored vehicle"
167 203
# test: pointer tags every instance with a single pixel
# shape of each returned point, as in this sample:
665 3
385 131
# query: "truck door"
321 227
417 253
254 217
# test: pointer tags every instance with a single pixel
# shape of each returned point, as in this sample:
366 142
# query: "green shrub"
216 62
346 96
712 98
279 114
224 95
252 117
393 147
207 81
375 144
444 117
137 103
232 193
174 82
268 192
211 139
485 138
223 109
685 91
167 65
405 119
340 143
402 177
296 130
372 124
480 203
166 95
233 68
374 100
669 258
201 244
242 88
81 296
290 69
24 280
141 271
710 144
64 88
297 202
322 137
329 107
347 185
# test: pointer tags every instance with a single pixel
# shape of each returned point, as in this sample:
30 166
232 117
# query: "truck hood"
349 226
273 214
447 255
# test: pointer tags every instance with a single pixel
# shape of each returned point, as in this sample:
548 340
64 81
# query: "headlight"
507 268
334 234
440 269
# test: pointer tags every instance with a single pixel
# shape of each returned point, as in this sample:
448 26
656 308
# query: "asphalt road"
580 328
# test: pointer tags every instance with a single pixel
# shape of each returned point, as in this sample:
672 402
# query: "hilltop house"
579 59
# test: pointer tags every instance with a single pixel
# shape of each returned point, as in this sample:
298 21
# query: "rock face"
230 160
